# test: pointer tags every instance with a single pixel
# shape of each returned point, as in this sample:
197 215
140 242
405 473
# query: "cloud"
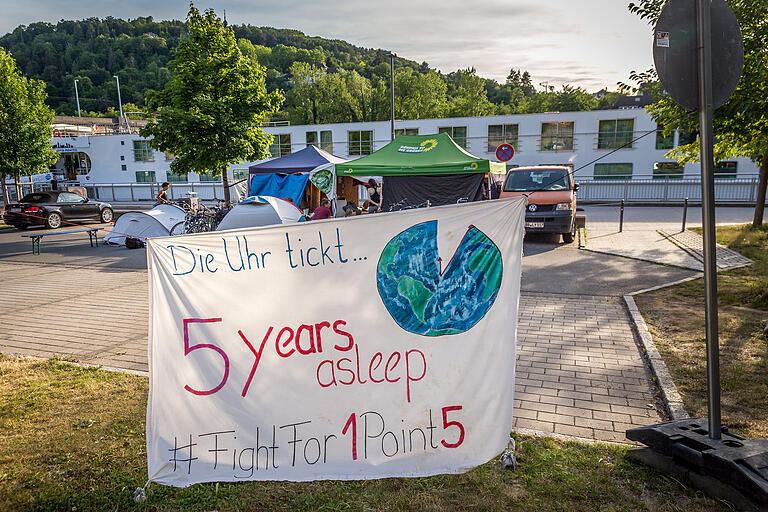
591 42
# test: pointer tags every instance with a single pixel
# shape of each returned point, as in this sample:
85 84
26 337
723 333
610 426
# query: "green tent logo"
425 146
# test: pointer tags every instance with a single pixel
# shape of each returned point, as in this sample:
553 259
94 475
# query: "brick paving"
579 369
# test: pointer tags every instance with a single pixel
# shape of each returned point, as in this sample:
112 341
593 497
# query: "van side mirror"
575 187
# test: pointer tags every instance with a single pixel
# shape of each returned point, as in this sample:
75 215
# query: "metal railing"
666 190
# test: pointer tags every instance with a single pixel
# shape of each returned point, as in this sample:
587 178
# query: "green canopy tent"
417 168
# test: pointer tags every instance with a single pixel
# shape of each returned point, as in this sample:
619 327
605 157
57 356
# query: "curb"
669 393
562 437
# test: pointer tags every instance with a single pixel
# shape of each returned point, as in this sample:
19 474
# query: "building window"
142 151
326 141
687 138
172 177
726 169
457 133
406 131
615 133
281 145
499 134
145 177
239 174
209 177
123 168
663 142
557 136
360 142
122 157
122 143
671 170
311 139
613 171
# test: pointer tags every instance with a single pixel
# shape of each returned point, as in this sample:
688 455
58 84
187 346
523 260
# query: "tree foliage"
25 124
741 125
349 83
210 112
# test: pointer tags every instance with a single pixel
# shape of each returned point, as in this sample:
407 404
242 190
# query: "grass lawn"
675 317
72 438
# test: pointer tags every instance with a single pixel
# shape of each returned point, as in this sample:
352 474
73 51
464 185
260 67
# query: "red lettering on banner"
256 353
387 367
189 348
408 377
318 330
285 343
371 367
311 331
338 365
343 333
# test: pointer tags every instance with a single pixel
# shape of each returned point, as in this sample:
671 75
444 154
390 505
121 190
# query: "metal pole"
119 100
708 213
685 214
621 217
392 93
77 98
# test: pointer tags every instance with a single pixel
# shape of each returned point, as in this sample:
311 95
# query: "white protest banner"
368 347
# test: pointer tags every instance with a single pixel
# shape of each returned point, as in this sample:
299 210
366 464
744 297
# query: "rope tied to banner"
140 494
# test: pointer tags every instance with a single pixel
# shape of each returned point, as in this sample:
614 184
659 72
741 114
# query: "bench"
37 237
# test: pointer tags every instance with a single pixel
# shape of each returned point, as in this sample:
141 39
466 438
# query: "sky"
586 43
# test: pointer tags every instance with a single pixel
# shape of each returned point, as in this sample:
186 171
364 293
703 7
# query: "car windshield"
36 198
537 180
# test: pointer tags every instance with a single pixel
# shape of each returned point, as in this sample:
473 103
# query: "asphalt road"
548 265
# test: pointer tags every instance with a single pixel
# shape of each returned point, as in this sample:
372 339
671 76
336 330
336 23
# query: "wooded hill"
323 80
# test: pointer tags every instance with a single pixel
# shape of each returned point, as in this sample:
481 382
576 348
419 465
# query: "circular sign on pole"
505 152
675 52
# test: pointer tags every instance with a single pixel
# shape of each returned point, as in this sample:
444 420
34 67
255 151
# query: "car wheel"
53 221
107 215
570 237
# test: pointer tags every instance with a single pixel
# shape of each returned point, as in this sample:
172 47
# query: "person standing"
374 196
162 197
54 183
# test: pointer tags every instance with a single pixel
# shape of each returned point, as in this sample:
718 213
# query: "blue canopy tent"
287 177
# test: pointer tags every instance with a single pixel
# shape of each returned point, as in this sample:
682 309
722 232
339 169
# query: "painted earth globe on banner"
424 297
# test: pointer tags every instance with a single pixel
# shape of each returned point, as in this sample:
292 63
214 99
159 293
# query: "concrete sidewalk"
579 371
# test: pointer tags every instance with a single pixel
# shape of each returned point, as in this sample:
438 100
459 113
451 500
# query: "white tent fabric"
260 211
159 221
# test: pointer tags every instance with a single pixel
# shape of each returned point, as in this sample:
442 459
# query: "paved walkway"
579 371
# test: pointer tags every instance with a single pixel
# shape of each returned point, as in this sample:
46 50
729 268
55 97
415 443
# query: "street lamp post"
392 92
77 98
119 100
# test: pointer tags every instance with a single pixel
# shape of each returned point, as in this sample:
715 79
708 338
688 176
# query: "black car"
52 208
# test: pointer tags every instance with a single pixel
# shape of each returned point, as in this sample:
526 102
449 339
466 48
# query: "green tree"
419 95
209 115
25 124
569 99
741 125
471 98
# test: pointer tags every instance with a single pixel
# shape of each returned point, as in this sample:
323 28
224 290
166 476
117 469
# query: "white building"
603 146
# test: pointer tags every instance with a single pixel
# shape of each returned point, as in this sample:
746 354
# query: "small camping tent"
260 211
159 221
287 177
419 168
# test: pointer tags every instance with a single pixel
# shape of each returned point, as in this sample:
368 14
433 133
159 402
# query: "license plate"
534 225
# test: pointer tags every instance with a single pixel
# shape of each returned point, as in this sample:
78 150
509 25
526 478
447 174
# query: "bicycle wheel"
178 229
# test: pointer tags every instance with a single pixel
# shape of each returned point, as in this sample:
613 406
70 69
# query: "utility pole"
119 100
392 93
703 18
77 98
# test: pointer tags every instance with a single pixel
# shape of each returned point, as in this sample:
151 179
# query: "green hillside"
336 81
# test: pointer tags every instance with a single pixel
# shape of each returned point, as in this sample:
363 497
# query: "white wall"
105 151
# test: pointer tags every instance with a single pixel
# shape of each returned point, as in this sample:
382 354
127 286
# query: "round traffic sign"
675 52
505 152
